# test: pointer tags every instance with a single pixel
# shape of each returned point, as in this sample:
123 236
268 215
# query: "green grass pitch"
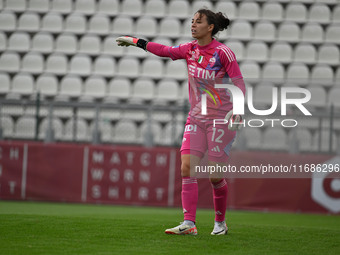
56 228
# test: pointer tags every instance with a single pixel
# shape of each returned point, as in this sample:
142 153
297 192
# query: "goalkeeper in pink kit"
209 62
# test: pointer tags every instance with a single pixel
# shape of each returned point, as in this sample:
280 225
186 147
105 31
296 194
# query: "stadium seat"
7 126
7 21
153 68
9 62
175 69
108 7
95 87
89 44
137 115
272 12
237 47
57 64
128 66
275 139
303 137
143 89
257 50
262 96
329 54
319 13
131 7
99 24
186 27
104 66
57 127
172 133
25 127
43 42
273 72
81 133
228 8
333 96
19 41
166 91
325 141
47 85
87 7
296 12
119 88
62 6
5 82
297 73
265 31
32 62
111 48
249 11
71 86
125 132
155 8
3 41
29 22
170 27
199 4
81 65
22 84
305 53
156 131
179 9
105 128
312 32
38 6
122 25
253 137
52 22
146 26
66 43
289 32
333 34
322 75
250 71
241 29
318 97
336 14
282 52
75 23
15 5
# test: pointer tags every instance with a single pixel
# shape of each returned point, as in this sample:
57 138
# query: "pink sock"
189 198
220 192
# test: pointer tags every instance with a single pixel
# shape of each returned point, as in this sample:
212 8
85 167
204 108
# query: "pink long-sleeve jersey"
208 65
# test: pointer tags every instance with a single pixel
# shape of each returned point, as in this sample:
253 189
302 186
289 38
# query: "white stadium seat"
29 22
22 84
333 96
289 32
5 82
170 27
3 41
47 85
249 11
57 64
81 65
89 44
52 22
43 42
312 32
16 5
25 127
304 138
99 24
143 89
71 86
19 41
75 23
122 25
275 139
296 12
329 54
39 6
241 29
125 132
167 90
199 4
153 68
81 133
156 131
265 31
297 73
282 52
87 7
333 33
155 8
108 7
273 72
110 47
66 43
146 26
336 14
272 11
253 138
7 126
33 63
305 53
237 47
95 87
319 13
7 21
318 97
104 66
322 75
250 71
228 8
131 7
172 133
179 9
257 50
9 62
62 6
120 88
175 69
57 127
128 66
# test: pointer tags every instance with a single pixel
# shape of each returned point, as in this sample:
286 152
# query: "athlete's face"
200 27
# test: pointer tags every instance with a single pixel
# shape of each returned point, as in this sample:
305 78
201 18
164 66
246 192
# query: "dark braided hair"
219 21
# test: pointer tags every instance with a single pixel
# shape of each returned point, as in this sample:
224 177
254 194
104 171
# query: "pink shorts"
201 137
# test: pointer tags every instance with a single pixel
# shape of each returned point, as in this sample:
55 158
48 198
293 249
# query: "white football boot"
220 228
182 229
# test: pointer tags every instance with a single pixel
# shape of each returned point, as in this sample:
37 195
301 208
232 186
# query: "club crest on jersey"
212 61
200 60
